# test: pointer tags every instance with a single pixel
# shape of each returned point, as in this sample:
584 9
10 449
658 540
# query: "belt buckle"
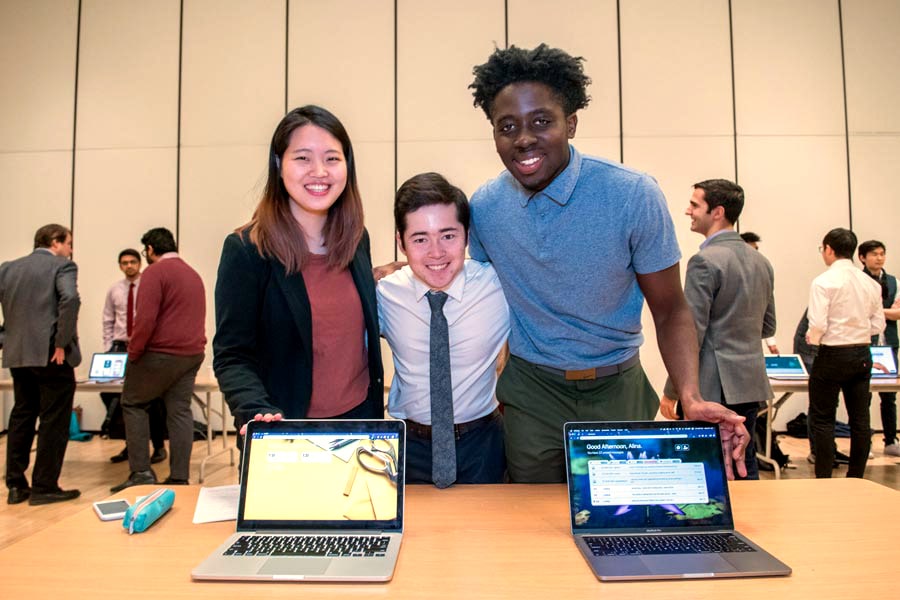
581 375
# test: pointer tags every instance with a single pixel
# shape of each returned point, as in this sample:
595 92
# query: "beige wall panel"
220 187
796 192
787 64
592 35
232 71
119 195
676 164
375 174
466 165
341 56
676 68
438 44
872 55
874 164
34 191
605 147
38 78
128 74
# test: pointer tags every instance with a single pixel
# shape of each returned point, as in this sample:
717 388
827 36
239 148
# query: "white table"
203 391
787 388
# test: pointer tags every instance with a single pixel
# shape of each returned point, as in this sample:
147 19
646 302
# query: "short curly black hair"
553 67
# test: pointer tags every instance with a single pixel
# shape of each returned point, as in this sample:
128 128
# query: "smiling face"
532 133
434 243
702 220
314 171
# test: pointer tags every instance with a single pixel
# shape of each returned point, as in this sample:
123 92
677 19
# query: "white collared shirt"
115 317
844 306
478 324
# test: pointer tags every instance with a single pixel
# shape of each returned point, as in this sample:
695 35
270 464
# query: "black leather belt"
595 373
424 431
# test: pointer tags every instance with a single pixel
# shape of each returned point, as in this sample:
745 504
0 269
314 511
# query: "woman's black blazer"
263 343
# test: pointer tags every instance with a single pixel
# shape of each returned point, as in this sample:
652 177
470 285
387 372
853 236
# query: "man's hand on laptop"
731 426
268 418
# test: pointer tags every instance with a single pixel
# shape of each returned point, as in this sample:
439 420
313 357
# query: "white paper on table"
218 503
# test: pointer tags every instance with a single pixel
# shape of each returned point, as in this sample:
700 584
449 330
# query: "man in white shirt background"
118 320
844 313
432 220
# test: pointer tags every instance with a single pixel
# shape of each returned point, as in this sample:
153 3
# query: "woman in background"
296 320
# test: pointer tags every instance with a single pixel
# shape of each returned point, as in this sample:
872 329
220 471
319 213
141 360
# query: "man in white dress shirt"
844 313
432 220
118 319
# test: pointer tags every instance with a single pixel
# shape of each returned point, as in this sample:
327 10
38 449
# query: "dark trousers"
840 369
750 411
45 393
480 456
170 377
157 408
889 413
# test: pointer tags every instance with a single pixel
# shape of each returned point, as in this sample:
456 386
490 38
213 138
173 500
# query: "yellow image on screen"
317 478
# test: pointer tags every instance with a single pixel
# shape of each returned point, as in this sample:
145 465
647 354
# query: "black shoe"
840 458
159 455
172 481
120 457
136 478
51 497
18 495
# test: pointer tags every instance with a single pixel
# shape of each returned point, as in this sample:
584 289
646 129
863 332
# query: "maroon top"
170 311
340 374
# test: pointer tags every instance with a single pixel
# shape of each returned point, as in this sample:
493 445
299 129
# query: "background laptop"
303 481
785 366
656 484
883 356
107 367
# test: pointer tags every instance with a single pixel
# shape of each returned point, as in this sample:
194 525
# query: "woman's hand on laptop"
268 418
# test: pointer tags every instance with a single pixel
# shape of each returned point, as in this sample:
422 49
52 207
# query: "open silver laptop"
785 366
319 501
107 367
649 500
884 363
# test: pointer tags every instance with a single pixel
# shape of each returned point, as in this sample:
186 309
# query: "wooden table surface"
493 541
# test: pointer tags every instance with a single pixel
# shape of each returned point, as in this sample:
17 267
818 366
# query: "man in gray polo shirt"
578 243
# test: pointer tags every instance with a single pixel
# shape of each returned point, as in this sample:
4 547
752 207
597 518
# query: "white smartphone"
111 510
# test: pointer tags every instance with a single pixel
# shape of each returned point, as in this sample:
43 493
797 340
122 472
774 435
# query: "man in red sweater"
164 355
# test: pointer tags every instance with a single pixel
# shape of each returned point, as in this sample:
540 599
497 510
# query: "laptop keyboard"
666 544
309 545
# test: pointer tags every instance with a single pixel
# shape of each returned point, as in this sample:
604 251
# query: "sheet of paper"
217 504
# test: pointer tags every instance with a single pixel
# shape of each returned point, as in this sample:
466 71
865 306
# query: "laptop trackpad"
293 565
690 564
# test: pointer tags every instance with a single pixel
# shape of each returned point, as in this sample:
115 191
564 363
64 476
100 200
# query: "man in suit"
39 296
730 289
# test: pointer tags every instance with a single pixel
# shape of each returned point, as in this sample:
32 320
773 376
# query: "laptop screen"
785 365
108 365
883 363
646 476
312 474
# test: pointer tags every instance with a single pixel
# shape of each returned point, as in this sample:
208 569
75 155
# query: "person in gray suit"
730 289
39 296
